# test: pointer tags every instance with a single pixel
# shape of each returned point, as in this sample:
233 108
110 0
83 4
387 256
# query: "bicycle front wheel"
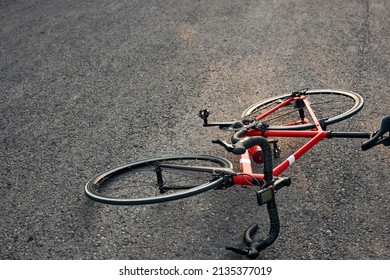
157 180
330 106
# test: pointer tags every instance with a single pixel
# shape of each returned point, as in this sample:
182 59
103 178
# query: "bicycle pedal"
204 114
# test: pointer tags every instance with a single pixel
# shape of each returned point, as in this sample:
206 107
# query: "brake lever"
378 136
386 141
245 123
228 147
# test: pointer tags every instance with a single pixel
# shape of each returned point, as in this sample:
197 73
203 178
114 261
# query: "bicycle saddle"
378 136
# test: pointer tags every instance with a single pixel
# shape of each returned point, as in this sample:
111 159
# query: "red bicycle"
301 114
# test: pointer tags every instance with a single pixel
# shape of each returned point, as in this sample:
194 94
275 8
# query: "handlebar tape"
242 144
376 137
259 245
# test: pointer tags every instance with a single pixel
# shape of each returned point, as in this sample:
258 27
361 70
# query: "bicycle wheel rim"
92 188
354 100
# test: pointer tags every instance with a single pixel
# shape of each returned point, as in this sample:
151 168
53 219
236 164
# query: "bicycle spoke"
266 107
180 180
283 115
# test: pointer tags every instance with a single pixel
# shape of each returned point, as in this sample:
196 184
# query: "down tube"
246 177
291 159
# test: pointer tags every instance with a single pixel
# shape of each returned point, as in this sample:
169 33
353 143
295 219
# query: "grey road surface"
88 85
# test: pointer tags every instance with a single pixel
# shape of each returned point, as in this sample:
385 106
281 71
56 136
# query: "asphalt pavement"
88 85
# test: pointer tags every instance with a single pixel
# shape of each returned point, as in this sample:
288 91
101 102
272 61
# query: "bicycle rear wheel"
330 106
157 180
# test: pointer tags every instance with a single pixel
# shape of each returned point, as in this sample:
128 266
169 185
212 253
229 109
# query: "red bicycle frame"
316 134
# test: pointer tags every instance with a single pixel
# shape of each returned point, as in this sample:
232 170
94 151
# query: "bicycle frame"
316 135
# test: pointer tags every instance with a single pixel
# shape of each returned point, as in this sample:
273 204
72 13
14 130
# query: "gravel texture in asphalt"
89 85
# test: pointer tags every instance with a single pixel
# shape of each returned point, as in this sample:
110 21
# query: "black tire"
136 183
330 106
